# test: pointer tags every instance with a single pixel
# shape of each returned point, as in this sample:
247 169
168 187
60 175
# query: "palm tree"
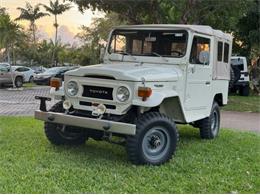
31 14
10 33
56 9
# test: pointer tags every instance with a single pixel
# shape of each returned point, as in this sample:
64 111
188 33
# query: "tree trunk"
54 61
14 58
33 31
34 41
9 61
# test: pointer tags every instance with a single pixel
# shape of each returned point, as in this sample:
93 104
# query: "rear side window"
226 52
220 51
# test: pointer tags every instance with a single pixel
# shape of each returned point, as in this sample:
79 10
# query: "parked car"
153 77
26 71
239 75
45 77
7 76
39 69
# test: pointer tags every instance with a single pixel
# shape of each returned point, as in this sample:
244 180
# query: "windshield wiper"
154 53
126 53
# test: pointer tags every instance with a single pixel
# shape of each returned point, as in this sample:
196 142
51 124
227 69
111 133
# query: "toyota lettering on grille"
98 92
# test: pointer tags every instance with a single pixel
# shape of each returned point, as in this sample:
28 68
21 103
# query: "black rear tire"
155 140
244 90
58 135
209 127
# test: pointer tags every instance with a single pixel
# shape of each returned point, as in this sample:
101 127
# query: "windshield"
54 70
149 43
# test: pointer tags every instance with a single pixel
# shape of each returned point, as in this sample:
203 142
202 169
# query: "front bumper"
87 123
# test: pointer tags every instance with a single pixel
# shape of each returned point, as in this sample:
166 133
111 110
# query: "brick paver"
22 103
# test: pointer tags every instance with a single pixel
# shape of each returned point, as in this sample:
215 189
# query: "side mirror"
204 57
101 54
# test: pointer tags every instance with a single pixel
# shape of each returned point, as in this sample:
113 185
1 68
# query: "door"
26 73
5 74
199 74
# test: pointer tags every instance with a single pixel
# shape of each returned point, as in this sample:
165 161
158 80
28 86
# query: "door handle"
207 83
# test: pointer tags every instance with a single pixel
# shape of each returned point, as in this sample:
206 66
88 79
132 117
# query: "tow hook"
43 102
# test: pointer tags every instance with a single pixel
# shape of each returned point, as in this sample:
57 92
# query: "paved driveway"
22 103
240 120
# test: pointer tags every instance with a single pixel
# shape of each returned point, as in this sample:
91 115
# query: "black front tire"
209 127
155 140
18 82
31 79
58 135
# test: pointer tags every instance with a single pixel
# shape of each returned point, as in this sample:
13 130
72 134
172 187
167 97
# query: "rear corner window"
226 52
220 51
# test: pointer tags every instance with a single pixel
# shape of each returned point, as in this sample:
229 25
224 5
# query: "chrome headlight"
122 94
72 88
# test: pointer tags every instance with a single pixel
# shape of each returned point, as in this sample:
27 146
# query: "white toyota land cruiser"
153 77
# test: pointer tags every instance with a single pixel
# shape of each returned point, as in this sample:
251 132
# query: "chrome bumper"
88 123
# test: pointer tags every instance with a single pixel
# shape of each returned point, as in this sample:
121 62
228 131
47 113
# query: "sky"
69 22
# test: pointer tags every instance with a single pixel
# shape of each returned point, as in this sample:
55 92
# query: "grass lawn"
29 85
30 164
243 104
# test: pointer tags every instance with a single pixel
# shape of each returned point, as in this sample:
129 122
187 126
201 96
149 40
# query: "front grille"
97 92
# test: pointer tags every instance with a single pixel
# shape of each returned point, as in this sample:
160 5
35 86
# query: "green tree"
10 34
217 13
247 33
95 36
31 14
56 8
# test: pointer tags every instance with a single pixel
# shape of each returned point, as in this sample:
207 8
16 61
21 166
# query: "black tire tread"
132 141
244 90
54 137
15 81
205 125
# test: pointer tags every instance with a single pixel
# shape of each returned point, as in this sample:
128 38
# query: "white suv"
9 76
153 77
241 75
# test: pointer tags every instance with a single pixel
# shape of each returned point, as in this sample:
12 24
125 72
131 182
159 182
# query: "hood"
130 71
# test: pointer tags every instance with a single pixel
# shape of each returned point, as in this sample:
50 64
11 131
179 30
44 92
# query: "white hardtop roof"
196 28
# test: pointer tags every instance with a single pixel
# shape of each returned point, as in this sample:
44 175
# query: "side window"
19 70
199 44
226 52
118 43
220 51
3 68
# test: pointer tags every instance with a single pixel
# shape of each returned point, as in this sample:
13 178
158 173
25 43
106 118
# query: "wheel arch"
219 99
167 103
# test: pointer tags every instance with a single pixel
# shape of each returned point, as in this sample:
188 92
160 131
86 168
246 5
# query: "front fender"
155 100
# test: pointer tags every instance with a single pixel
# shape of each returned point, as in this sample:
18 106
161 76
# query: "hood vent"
100 77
